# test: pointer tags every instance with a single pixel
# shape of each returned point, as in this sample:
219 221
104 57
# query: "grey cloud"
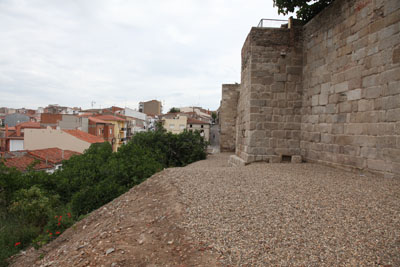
122 52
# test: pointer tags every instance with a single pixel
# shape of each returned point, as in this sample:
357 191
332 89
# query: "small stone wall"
227 116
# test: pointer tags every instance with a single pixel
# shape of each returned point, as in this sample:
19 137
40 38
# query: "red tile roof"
14 135
120 116
9 128
194 121
114 108
87 114
22 163
53 155
109 118
97 120
85 136
29 124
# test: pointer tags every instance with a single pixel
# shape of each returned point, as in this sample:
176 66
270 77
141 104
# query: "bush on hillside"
30 201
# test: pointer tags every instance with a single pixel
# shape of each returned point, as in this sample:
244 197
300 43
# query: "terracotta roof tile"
15 136
109 118
194 121
87 114
9 128
29 124
85 136
53 155
22 163
94 119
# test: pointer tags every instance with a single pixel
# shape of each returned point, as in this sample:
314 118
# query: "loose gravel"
209 214
290 214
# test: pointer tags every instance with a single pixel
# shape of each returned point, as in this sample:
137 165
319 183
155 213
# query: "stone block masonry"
228 113
327 92
269 107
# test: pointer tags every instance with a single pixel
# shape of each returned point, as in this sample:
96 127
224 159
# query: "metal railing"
263 22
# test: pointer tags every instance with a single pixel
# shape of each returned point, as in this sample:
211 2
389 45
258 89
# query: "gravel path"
209 214
290 214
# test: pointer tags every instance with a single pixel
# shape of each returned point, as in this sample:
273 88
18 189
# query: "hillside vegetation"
36 207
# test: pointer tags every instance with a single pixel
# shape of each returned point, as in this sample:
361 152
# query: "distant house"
50 119
112 110
12 138
151 122
53 156
24 162
28 125
14 141
64 121
152 107
138 119
49 159
57 109
13 119
103 129
120 129
74 140
133 113
178 122
175 123
201 126
197 113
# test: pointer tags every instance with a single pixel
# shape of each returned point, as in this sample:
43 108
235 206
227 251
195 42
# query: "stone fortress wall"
327 92
227 119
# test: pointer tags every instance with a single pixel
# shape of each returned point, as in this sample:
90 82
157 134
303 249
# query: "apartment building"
152 107
120 129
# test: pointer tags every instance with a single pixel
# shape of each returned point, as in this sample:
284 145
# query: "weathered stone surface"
227 116
333 96
236 161
354 94
296 159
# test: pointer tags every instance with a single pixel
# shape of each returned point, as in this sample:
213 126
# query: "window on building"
202 126
182 126
172 126
99 131
191 125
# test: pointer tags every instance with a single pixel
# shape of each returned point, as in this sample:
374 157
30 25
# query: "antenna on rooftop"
93 102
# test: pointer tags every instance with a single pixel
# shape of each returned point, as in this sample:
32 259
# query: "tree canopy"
174 110
36 206
305 9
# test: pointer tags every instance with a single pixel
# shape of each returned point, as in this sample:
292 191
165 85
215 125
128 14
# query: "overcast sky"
120 52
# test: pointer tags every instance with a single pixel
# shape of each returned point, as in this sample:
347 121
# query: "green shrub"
31 203
13 232
91 198
32 206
